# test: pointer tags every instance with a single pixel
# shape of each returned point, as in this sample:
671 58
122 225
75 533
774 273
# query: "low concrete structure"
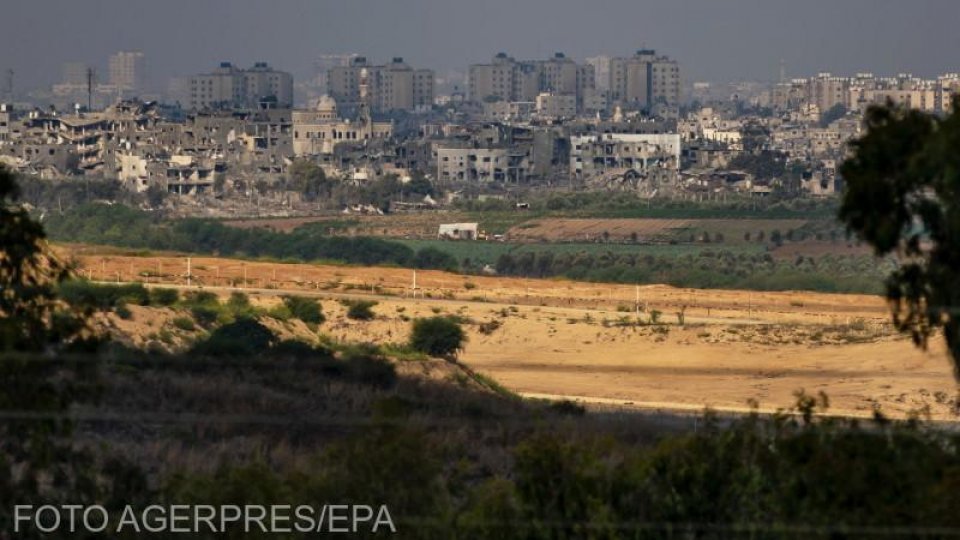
459 231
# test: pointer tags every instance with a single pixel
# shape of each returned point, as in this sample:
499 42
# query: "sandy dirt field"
553 338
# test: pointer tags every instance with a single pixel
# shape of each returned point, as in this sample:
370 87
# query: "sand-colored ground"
582 340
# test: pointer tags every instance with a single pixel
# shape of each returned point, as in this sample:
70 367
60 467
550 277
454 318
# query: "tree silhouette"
903 198
31 319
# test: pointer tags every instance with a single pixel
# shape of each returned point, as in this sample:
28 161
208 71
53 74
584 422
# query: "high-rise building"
645 80
392 87
601 70
127 71
325 62
231 87
507 79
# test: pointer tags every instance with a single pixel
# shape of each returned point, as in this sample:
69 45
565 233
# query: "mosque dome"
326 104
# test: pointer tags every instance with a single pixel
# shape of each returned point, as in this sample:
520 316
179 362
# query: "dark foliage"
29 275
99 296
437 336
361 310
122 226
307 310
244 338
903 197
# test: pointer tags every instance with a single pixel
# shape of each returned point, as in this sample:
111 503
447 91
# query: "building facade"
644 80
231 87
595 154
506 79
318 131
393 87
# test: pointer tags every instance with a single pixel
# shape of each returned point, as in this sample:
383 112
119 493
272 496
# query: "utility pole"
10 85
91 74
637 301
188 272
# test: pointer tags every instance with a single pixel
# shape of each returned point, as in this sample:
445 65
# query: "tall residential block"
231 87
507 79
392 87
645 80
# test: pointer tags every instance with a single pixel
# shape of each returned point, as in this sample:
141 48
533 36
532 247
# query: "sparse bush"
489 327
280 312
184 323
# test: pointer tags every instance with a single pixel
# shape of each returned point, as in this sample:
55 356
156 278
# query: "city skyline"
713 41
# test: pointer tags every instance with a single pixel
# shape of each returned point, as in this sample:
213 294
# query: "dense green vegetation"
706 269
592 204
438 336
123 226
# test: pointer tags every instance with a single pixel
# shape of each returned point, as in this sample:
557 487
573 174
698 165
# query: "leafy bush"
437 336
239 305
184 323
205 308
85 294
164 297
244 338
306 309
361 310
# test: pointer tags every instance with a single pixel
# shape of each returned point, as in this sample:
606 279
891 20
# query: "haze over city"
714 41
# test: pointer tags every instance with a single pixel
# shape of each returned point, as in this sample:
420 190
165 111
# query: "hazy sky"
712 39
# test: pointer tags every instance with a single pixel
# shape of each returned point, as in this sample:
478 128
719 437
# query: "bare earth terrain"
554 338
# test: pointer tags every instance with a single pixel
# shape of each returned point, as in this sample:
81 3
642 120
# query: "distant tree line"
708 269
119 225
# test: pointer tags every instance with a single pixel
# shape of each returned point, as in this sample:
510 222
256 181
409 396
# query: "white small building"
458 231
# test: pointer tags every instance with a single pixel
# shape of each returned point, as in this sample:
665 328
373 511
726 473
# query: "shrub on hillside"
85 294
244 338
164 297
437 336
360 310
184 323
205 307
307 310
239 305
